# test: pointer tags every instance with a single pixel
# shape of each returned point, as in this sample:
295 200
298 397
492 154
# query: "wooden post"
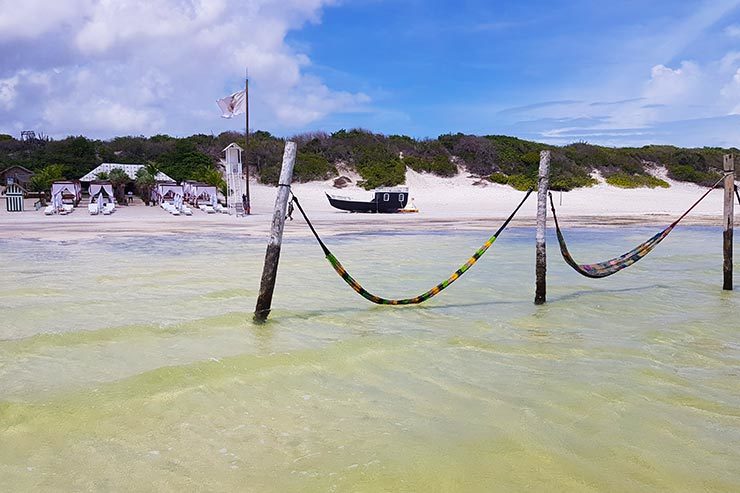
729 217
272 257
541 265
248 208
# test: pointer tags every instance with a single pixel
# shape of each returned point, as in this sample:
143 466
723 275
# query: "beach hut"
102 198
16 175
167 192
101 191
204 192
71 191
14 194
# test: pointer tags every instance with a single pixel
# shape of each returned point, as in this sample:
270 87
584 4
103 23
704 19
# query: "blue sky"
615 73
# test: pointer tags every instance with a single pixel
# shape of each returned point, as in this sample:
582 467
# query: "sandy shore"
444 204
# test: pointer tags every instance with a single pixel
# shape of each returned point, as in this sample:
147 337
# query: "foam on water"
134 365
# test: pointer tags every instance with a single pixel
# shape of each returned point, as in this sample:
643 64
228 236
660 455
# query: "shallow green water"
134 365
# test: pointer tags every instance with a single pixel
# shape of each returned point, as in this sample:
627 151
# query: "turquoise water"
133 364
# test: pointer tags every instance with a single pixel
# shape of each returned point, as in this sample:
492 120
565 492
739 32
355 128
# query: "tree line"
381 160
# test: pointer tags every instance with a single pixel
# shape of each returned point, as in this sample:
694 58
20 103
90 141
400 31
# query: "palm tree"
145 182
103 176
213 177
118 178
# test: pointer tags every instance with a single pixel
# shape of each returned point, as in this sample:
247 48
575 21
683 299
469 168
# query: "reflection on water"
134 365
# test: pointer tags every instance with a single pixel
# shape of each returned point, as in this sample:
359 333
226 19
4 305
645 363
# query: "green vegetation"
145 182
380 160
439 165
118 178
499 178
42 180
522 182
624 180
210 176
311 166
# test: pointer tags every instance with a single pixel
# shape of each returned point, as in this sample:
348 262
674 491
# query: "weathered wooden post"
543 183
272 257
729 217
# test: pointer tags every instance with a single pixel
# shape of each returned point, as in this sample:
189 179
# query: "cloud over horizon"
105 68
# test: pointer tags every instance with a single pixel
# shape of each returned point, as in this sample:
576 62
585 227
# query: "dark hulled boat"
384 200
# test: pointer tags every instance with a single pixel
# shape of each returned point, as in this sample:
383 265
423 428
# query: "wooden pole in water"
272 257
729 217
541 265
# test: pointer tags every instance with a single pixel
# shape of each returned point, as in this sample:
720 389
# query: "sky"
625 73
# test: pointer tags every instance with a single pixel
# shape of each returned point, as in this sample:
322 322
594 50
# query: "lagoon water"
133 365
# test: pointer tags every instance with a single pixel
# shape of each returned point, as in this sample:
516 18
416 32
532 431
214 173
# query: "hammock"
609 267
339 268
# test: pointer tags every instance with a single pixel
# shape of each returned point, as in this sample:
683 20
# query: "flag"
233 105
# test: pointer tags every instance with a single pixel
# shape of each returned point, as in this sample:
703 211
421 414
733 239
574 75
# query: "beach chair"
49 210
109 208
92 208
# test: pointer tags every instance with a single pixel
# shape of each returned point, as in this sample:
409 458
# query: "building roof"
18 167
233 145
130 170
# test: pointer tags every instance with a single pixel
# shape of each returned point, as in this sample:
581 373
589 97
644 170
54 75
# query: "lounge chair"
92 208
49 210
108 208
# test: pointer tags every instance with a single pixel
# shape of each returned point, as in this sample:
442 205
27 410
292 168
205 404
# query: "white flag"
233 105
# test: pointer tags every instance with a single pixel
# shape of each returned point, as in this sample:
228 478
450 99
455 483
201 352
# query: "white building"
233 173
130 170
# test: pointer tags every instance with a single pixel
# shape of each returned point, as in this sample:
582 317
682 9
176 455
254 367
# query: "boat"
385 200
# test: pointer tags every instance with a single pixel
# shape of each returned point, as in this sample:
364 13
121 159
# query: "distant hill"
380 160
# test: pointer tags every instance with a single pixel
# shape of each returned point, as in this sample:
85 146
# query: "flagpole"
248 208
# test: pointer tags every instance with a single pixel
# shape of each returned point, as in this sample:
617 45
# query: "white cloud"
731 92
733 30
667 85
8 92
32 18
147 67
686 104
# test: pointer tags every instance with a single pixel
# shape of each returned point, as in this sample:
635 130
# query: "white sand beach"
461 202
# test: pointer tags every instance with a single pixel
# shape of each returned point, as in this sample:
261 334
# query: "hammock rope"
609 267
339 268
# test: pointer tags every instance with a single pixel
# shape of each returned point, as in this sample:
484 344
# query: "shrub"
684 172
568 183
522 182
499 178
477 153
624 180
439 165
377 165
42 180
309 166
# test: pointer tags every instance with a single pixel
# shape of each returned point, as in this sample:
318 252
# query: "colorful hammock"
609 267
339 268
